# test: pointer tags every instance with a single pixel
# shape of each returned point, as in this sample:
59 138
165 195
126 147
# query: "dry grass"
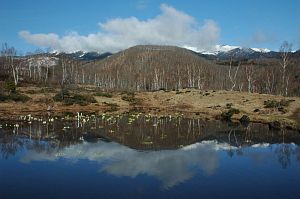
190 102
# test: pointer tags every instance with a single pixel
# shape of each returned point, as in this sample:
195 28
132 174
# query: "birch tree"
250 71
285 52
9 54
233 77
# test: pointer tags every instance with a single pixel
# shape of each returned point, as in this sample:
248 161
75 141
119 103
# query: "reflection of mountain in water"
194 143
169 166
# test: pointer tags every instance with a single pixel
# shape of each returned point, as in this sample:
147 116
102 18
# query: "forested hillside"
148 68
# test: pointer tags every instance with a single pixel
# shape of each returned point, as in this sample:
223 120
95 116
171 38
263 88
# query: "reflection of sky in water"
169 166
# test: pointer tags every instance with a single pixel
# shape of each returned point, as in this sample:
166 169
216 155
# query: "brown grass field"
190 103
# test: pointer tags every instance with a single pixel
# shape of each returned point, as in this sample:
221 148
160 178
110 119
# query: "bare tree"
285 50
233 79
250 71
9 54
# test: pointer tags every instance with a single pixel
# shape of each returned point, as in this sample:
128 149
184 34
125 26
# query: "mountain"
239 53
152 67
84 56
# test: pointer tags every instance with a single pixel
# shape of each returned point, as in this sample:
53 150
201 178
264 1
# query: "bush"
277 104
69 99
112 107
17 97
227 115
130 97
229 105
103 94
59 97
10 86
3 97
271 104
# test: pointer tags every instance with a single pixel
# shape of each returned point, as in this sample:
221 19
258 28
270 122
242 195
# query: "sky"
114 25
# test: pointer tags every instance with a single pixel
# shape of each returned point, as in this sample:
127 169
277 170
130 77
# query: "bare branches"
233 79
250 71
285 50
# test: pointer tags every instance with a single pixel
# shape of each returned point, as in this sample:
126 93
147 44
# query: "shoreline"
191 103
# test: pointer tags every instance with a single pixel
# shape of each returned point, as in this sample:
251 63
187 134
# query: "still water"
146 157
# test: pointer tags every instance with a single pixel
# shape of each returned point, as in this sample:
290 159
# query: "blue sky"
75 24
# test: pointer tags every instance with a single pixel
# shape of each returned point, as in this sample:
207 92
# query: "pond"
140 156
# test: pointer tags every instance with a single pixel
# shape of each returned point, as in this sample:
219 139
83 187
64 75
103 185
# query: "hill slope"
153 67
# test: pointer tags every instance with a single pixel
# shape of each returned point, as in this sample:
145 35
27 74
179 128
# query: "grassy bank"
191 103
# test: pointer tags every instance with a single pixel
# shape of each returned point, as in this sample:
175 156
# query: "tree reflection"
9 146
284 152
145 133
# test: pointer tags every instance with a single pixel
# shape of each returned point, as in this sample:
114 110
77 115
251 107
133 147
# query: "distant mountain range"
221 52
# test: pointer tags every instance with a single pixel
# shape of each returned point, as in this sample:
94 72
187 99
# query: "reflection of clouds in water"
169 166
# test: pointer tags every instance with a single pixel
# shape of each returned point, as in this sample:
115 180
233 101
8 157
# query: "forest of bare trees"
148 68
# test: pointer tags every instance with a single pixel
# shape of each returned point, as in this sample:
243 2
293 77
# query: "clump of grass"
227 115
279 105
130 97
112 107
47 90
69 99
17 97
31 92
229 105
103 94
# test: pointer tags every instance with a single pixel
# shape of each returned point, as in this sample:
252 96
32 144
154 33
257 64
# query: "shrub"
279 105
103 94
271 104
130 97
17 97
69 99
3 97
59 97
256 110
229 105
227 115
276 104
10 86
112 107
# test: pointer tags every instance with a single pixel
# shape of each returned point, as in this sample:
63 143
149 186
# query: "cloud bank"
260 37
171 27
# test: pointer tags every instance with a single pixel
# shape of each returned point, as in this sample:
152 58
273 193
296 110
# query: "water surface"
147 157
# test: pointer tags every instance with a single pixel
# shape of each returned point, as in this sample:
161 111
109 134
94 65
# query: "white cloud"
260 37
171 27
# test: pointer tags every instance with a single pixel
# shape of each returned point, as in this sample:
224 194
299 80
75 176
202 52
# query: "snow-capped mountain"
226 48
86 56
236 52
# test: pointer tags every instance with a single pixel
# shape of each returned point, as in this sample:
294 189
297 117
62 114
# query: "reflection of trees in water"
284 152
9 146
145 133
297 151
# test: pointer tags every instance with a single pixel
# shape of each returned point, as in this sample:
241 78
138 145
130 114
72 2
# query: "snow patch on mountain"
225 48
261 50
